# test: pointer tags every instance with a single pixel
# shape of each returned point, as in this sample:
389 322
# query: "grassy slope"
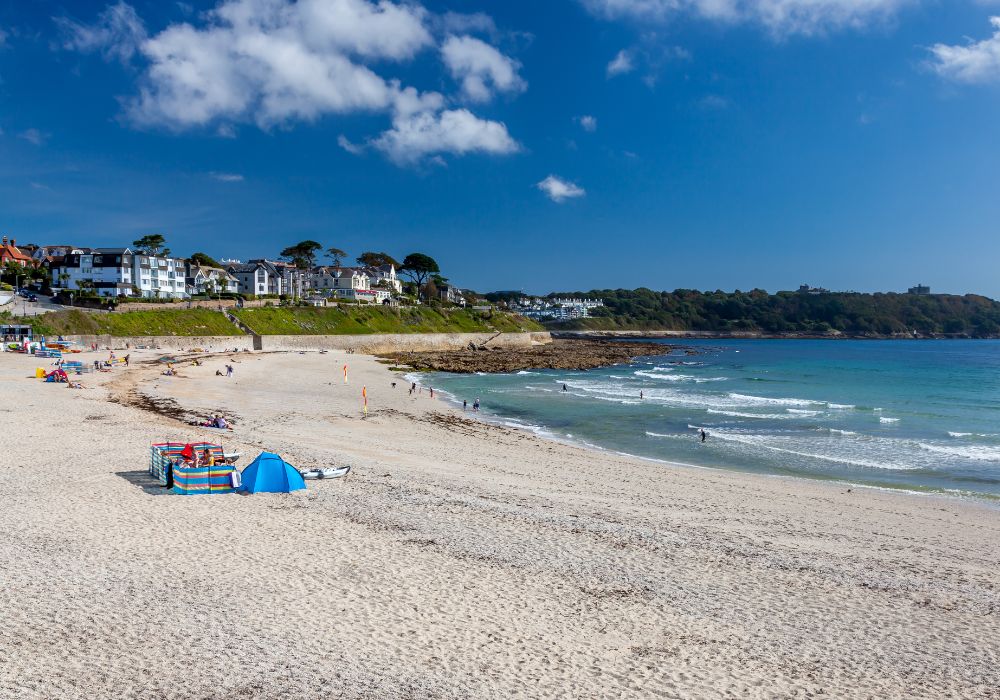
359 320
136 323
346 320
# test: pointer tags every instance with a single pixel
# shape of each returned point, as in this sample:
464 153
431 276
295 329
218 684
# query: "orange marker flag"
364 397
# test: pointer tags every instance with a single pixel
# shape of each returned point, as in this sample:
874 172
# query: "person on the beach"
218 373
432 392
475 404
221 422
229 370
565 388
465 404
126 360
640 394
207 459
704 435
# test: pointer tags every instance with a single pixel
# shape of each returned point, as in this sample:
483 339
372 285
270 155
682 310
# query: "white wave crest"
980 453
766 401
884 419
741 414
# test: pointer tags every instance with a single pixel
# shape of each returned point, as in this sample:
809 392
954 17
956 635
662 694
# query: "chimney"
13 243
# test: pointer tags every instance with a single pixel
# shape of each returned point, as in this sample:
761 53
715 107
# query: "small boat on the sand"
327 473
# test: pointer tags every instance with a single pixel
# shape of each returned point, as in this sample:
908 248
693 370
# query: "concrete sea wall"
375 343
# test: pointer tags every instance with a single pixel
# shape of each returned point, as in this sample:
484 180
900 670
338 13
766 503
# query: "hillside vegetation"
791 312
360 320
135 323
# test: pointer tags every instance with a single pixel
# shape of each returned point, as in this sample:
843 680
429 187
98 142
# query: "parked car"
32 297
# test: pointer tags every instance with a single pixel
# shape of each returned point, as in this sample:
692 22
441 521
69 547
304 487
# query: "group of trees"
792 312
420 268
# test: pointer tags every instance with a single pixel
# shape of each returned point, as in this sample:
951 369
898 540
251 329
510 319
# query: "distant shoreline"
747 335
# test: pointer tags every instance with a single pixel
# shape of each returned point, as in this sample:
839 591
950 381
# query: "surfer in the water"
704 435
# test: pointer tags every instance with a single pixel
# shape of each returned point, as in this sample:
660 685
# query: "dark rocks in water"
559 354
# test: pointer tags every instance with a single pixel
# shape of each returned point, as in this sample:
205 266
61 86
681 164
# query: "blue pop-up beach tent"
269 473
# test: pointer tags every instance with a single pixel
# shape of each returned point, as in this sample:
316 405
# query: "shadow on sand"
144 481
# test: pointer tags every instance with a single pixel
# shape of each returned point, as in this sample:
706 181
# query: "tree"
370 259
203 260
430 290
419 267
152 244
303 254
336 255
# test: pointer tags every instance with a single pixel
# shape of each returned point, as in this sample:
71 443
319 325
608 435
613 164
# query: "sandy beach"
458 559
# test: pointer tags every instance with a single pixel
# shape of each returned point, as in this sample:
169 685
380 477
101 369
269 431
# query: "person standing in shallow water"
465 404
704 435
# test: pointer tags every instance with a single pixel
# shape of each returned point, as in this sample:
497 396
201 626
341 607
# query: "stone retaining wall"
361 343
213 304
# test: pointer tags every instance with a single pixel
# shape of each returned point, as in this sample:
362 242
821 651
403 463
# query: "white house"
386 275
108 271
255 278
451 294
202 279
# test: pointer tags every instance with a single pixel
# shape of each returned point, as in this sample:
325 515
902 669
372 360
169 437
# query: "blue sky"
554 145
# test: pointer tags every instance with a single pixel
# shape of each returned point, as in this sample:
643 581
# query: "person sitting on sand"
221 422
207 460
218 373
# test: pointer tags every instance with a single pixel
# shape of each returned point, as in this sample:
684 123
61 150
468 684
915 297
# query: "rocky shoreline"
559 354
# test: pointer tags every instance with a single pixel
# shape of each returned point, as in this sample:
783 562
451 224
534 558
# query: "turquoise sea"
918 415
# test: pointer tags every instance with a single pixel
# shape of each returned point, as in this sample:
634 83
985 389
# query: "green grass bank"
180 322
343 320
362 320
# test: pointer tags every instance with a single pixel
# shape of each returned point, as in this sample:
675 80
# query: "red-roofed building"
9 252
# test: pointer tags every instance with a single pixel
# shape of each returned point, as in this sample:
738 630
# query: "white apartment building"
114 272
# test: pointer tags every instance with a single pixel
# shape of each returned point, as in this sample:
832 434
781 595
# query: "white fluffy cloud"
559 190
975 62
277 62
622 63
480 68
587 122
117 34
780 17
457 131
